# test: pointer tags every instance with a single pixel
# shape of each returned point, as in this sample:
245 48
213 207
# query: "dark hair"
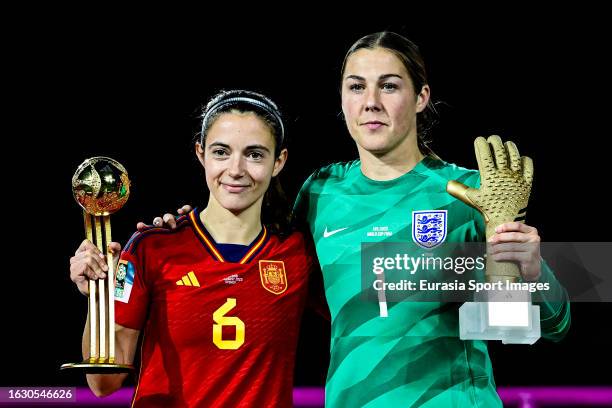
244 101
275 211
407 52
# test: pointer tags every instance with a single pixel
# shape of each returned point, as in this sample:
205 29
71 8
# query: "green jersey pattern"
413 357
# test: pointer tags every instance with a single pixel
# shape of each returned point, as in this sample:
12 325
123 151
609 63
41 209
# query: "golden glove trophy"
101 187
505 186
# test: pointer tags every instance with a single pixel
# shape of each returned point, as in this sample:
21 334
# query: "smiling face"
238 158
379 101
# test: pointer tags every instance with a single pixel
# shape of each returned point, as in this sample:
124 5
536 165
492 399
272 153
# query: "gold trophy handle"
111 291
93 315
102 357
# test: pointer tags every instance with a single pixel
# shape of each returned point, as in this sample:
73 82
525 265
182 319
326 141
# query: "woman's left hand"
519 243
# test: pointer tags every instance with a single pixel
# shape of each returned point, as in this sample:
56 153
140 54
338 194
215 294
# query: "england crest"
429 228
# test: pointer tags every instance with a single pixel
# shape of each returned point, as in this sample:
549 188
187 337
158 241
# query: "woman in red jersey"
218 299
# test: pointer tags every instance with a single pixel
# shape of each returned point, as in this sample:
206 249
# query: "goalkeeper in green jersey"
412 356
404 354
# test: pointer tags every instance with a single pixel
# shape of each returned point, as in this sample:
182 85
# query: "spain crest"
429 228
273 276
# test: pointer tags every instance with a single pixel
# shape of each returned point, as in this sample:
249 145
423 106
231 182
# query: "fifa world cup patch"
273 276
124 280
429 227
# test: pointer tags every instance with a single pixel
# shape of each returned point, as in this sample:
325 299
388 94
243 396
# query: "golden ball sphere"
101 186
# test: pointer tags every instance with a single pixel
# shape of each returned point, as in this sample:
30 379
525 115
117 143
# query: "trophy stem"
93 315
101 295
111 291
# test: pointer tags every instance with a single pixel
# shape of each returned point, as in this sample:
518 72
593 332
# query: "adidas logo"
188 280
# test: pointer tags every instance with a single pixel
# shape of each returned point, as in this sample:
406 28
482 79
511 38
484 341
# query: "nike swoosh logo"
330 233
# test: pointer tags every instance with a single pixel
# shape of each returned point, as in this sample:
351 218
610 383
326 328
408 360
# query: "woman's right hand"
88 263
168 220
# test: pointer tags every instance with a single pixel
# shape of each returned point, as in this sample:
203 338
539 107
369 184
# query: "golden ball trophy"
101 187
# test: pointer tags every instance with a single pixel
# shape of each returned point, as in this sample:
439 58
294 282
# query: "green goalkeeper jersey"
413 357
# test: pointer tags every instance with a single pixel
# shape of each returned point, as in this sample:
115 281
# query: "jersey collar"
211 246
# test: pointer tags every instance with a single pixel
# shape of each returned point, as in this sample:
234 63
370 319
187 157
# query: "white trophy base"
514 322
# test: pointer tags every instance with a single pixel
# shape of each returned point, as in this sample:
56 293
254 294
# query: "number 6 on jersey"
222 320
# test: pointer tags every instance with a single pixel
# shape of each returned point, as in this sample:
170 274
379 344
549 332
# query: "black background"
131 88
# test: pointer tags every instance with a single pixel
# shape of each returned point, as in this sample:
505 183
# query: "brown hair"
407 52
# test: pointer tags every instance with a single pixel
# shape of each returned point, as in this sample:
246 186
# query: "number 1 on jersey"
222 320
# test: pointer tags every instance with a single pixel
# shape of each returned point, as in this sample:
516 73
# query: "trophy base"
511 322
99 368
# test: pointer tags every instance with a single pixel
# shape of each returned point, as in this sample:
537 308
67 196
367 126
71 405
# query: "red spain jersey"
216 333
